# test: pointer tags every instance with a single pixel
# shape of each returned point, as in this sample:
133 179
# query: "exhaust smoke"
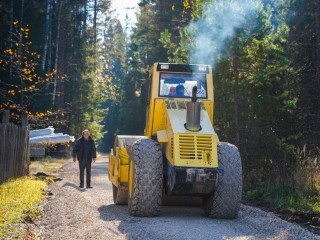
219 21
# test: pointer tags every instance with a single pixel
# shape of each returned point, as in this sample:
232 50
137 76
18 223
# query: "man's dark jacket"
79 148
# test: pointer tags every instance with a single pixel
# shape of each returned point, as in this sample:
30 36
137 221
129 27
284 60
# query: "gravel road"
71 213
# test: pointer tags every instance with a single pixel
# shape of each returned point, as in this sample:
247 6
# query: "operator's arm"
75 150
94 151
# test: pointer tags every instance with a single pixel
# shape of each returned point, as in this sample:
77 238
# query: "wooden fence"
14 151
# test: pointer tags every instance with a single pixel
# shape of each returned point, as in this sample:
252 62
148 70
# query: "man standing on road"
85 152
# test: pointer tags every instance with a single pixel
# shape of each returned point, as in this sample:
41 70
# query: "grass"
48 165
19 201
295 200
21 197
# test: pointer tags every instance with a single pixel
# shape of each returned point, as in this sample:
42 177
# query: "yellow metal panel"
169 151
195 150
113 170
118 167
154 86
131 168
159 121
117 152
111 164
210 90
122 166
162 136
168 147
150 114
124 173
209 108
124 156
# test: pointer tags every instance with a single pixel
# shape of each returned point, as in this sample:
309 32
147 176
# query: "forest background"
73 65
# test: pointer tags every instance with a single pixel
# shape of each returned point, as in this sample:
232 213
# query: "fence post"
26 152
6 116
24 120
14 148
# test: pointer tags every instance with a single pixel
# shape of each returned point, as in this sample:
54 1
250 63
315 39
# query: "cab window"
180 85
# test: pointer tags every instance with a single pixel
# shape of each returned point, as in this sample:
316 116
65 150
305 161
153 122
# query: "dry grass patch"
19 201
50 166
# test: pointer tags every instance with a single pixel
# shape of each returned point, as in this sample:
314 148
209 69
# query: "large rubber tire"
120 197
226 199
147 179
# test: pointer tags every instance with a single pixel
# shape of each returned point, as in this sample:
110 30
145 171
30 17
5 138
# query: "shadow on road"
120 212
113 212
69 184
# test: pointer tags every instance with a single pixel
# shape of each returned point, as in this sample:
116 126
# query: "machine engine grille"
192 147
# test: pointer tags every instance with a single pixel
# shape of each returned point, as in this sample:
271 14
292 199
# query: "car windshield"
181 84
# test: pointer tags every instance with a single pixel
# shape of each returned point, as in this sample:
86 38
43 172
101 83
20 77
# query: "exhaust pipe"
193 113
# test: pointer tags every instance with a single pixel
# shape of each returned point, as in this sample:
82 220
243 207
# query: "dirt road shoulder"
71 213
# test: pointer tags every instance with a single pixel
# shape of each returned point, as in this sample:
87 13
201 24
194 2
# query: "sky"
124 7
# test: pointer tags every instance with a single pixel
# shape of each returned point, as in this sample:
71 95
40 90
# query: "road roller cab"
180 152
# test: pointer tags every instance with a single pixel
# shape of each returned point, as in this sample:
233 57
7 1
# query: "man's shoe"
81 187
89 186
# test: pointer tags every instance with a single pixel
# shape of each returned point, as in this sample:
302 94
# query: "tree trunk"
49 57
57 53
20 53
95 22
47 35
61 68
318 42
11 39
236 99
317 80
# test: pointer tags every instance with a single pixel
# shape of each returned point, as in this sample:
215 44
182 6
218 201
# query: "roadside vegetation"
297 188
295 197
48 165
294 200
20 198
297 205
19 201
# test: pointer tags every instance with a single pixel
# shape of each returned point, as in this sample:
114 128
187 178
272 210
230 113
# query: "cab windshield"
181 84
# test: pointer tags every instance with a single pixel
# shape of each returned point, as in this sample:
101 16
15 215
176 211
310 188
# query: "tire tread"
146 197
226 199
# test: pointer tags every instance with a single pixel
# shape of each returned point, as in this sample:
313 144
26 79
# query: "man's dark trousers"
85 164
